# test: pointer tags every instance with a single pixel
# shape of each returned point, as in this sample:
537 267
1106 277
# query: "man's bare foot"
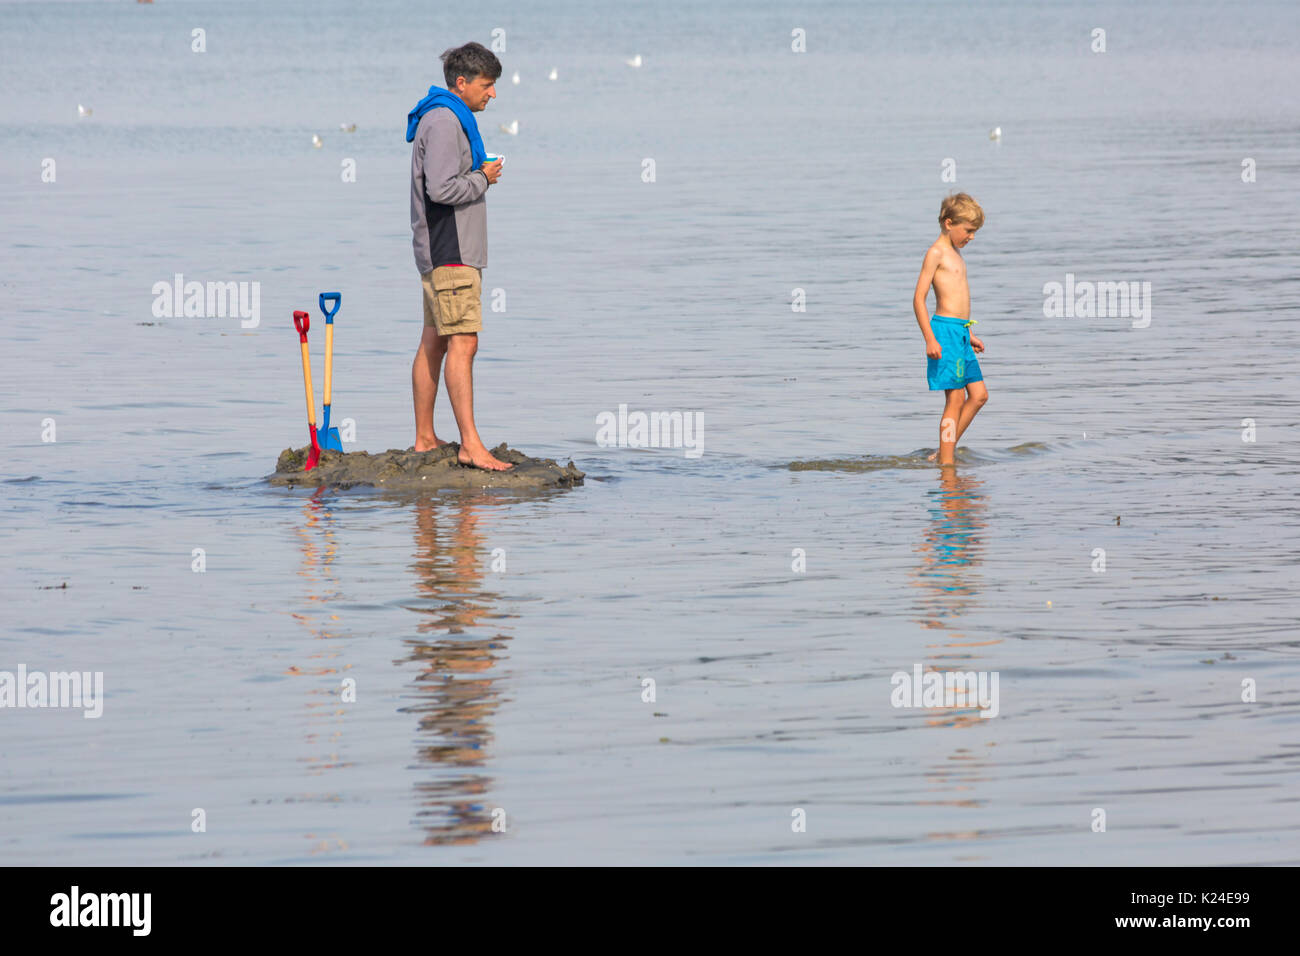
482 460
437 443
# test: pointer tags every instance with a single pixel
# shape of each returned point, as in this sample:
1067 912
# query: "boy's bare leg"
952 409
424 387
461 348
976 396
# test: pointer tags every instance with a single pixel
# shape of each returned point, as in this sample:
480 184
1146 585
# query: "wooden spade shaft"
306 378
329 358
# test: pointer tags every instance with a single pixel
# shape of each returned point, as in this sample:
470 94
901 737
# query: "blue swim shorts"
956 366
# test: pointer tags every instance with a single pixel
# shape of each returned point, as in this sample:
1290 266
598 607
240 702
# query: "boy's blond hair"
961 207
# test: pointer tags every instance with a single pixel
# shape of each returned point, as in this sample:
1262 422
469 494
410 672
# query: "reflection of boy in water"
951 542
951 548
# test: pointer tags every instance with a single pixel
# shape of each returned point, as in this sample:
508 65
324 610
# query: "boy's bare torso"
951 292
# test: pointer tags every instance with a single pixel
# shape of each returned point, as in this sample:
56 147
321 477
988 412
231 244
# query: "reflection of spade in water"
321 671
455 690
319 549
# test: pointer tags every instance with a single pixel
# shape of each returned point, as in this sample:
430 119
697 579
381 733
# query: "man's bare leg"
952 409
461 348
976 396
424 387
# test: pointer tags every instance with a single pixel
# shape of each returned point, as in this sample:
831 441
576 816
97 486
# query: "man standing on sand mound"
449 184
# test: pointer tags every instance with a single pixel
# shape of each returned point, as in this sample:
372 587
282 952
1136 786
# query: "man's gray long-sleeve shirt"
448 202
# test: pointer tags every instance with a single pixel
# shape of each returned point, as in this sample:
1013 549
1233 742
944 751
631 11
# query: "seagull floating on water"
348 127
554 74
635 61
512 129
317 141
83 111
995 133
515 79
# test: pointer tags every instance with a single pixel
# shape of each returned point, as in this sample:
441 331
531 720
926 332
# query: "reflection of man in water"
448 567
456 690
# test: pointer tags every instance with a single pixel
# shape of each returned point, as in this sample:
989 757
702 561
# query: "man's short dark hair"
469 61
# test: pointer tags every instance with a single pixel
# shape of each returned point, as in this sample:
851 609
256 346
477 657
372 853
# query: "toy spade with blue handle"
329 436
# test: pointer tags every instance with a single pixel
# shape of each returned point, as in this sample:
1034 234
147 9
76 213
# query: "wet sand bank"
411 470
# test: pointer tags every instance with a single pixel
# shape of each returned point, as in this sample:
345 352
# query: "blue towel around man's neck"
442 97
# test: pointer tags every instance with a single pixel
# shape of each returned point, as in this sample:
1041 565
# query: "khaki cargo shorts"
451 299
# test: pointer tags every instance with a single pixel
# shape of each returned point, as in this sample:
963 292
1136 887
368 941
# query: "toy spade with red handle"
302 322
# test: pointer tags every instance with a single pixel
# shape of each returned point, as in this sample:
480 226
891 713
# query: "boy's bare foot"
483 459
422 446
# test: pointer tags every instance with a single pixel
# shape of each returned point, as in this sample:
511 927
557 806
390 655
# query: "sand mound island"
412 470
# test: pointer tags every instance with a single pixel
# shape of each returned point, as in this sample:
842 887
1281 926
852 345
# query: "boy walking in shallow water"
949 347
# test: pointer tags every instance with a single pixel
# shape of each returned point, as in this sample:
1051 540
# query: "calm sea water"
770 607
